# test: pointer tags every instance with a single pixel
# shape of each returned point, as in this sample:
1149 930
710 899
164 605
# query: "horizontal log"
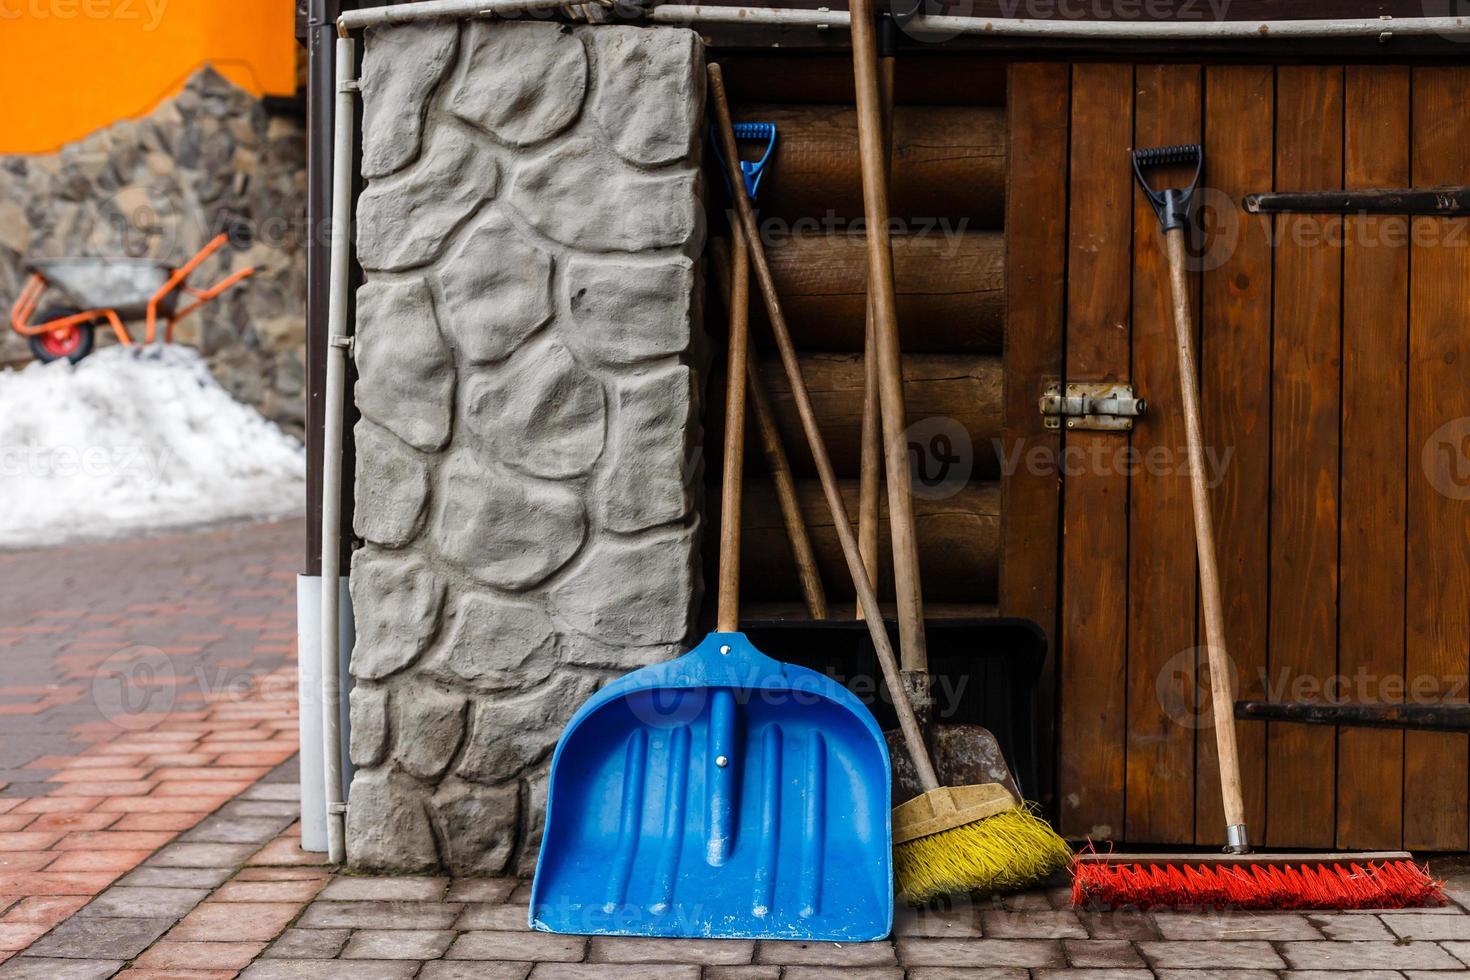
796 611
950 291
949 164
971 78
959 544
953 403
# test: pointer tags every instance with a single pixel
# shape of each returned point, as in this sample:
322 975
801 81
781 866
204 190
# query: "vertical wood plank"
1095 493
1305 379
1438 591
1375 287
1036 254
1235 394
1161 549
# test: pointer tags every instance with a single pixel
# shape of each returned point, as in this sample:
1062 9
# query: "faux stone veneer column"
524 482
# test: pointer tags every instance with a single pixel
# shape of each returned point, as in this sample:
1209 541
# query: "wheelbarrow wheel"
73 343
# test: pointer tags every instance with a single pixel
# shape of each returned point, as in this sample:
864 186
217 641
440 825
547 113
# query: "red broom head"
1244 886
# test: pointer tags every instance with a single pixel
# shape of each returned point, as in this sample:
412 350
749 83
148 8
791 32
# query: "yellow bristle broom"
948 839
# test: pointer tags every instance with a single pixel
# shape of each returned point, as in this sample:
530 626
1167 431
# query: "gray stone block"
505 530
538 947
177 878
477 825
368 740
647 481
633 590
623 314
396 601
430 726
404 221
398 944
522 82
401 66
498 643
474 970
534 789
391 490
540 413
379 915
99 938
511 734
405 375
200 855
387 828
130 902
497 290
237 830
308 944
651 116
582 194
288 969
47 968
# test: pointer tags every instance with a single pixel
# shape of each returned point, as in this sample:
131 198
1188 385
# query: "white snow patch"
131 440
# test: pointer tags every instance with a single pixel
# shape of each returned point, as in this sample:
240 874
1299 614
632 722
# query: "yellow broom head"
971 838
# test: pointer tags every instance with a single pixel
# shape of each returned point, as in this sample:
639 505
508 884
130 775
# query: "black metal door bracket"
1445 202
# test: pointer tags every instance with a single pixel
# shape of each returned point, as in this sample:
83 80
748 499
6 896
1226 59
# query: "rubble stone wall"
525 343
207 160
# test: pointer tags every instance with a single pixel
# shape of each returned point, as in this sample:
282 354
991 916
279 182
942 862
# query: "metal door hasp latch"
1100 406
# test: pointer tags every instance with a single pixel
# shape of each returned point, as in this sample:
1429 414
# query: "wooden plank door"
1337 426
1036 254
1093 643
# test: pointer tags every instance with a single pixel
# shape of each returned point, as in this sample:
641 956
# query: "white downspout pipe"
1100 30
1117 30
338 345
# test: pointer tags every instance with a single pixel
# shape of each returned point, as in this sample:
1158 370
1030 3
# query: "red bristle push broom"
1236 878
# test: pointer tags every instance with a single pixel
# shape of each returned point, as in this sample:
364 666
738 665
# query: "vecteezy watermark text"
147 12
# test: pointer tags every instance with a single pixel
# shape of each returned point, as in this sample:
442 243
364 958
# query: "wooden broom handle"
727 618
778 462
907 587
840 520
870 483
1222 681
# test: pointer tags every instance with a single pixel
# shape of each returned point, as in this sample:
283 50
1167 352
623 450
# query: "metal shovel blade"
720 795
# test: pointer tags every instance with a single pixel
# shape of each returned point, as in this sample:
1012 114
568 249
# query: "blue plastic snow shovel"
723 794
720 795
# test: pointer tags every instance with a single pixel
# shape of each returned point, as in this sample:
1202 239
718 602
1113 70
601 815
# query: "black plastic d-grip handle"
1170 204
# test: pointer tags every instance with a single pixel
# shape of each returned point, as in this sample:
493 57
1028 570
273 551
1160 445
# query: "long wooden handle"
885 324
841 523
870 474
727 618
810 575
1222 681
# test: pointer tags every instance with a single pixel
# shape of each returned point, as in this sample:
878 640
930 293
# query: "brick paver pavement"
105 638
143 685
219 887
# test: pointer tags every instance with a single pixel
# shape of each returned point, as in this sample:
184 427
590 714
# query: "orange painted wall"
70 67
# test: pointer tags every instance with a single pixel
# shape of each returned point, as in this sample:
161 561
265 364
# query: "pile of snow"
135 439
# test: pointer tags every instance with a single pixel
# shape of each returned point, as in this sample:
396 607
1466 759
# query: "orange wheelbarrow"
107 292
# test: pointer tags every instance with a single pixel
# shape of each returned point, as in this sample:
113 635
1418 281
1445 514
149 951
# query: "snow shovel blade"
720 795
